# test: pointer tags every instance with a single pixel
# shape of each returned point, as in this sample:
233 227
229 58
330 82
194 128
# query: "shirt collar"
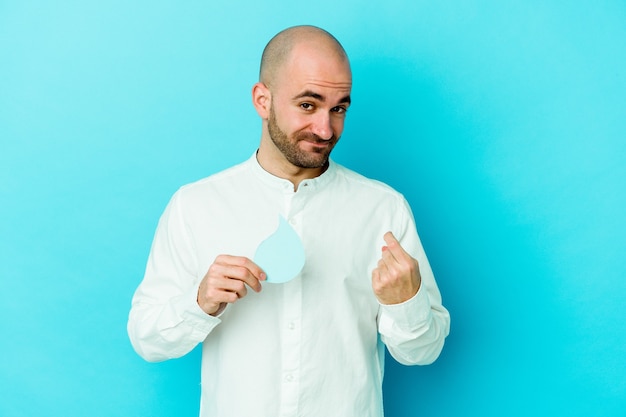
277 182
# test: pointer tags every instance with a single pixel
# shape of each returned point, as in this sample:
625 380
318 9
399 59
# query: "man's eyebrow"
319 97
310 94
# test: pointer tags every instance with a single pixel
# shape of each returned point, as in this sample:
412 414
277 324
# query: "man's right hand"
225 282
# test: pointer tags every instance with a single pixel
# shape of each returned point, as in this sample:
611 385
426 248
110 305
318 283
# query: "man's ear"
261 100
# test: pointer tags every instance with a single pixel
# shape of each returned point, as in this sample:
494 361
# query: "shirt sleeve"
414 331
165 320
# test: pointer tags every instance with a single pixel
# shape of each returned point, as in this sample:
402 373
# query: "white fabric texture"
312 346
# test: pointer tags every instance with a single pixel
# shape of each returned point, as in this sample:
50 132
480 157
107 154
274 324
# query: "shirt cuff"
196 318
407 316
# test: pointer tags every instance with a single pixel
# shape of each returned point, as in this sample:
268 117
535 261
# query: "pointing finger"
394 247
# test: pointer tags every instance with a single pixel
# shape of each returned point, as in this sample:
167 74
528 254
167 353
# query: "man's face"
312 154
309 106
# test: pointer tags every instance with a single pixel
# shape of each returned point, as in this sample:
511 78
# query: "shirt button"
288 378
293 222
291 325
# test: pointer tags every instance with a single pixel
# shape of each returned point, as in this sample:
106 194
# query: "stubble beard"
290 149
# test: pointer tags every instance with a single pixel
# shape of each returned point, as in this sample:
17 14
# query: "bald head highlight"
279 48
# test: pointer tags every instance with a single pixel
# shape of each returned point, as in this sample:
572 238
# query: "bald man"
312 346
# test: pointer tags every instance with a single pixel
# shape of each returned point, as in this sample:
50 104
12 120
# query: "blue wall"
504 123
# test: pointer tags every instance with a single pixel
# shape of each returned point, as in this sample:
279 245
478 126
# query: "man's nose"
321 125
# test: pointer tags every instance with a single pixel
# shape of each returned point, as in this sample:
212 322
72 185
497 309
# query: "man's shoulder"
356 180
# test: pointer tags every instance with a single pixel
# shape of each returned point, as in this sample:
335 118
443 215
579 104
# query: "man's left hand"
397 276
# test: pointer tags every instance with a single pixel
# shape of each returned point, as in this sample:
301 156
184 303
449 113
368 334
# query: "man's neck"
276 164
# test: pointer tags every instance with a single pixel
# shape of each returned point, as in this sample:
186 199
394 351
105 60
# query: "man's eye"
306 106
339 109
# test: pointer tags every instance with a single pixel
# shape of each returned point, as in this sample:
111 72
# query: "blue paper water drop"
281 254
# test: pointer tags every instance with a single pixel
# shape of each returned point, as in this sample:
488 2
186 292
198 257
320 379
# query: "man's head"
278 49
302 96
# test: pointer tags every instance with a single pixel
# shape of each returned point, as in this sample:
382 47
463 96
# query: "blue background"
503 122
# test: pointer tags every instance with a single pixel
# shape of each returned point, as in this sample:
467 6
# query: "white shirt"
312 346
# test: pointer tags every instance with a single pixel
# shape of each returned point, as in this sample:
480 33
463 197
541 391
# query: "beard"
289 147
